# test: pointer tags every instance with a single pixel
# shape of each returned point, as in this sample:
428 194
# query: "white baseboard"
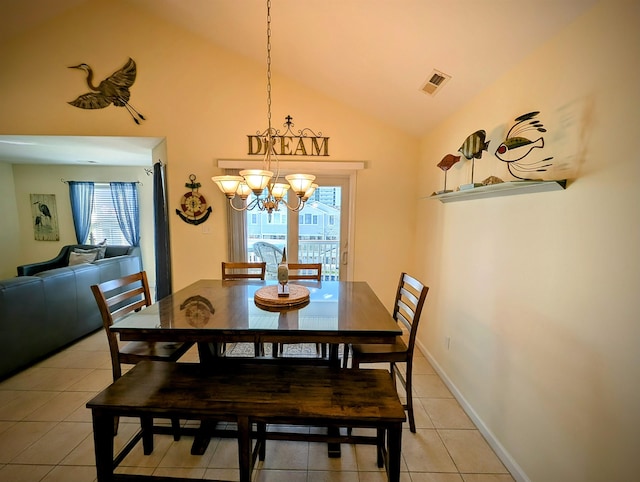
504 456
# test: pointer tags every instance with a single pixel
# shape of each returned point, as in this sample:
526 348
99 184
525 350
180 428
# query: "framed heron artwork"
45 217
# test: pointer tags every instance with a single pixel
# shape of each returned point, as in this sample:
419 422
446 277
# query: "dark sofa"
50 304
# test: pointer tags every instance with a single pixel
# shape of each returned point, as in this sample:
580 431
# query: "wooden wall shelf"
503 189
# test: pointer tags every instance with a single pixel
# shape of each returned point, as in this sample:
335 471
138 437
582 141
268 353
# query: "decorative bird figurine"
112 90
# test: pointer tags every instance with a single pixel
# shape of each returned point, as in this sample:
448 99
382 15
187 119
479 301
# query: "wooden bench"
248 395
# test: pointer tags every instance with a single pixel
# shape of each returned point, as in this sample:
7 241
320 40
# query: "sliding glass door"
315 234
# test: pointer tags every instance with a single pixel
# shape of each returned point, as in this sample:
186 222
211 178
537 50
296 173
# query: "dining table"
214 313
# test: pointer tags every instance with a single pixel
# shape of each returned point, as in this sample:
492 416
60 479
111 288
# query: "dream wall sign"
305 143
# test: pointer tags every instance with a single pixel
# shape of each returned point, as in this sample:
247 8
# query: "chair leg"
258 349
409 390
116 423
345 356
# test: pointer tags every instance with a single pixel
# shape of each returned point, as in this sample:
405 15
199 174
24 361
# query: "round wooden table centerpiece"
268 296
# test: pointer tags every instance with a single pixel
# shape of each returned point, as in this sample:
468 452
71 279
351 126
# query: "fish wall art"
473 146
519 144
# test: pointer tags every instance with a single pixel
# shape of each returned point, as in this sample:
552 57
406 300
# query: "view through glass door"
315 234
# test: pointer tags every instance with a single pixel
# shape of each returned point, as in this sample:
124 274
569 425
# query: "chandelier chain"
269 70
257 181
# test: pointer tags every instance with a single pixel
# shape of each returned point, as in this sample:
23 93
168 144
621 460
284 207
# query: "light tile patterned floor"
46 435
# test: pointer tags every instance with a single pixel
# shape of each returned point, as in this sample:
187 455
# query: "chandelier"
257 180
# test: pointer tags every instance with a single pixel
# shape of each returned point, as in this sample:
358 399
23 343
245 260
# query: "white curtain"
237 230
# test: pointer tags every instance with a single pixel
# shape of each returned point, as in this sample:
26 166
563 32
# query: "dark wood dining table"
213 313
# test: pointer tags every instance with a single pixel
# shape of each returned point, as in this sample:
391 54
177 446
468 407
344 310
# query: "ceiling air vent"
436 80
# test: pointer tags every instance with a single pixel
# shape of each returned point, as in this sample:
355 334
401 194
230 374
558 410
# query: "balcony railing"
311 251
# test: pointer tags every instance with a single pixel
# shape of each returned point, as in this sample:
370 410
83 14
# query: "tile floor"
45 434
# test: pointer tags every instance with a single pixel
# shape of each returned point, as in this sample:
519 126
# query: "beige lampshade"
256 179
309 191
243 190
228 184
300 182
279 190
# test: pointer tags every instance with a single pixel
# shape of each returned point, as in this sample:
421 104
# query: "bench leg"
394 451
244 448
103 443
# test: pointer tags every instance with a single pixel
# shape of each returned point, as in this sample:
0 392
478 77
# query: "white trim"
498 448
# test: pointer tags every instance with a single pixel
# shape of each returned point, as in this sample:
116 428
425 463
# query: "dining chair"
244 270
118 298
303 271
410 297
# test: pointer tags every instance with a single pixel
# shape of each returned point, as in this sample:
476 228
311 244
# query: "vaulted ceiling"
373 55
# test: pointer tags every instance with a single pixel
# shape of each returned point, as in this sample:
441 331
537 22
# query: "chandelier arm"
297 208
246 206
243 208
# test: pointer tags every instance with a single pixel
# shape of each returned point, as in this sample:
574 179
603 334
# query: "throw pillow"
98 251
81 258
103 248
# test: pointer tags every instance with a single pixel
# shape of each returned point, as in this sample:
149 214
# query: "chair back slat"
410 298
116 299
242 270
299 271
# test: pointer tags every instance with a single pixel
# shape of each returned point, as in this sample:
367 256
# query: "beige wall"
204 101
539 293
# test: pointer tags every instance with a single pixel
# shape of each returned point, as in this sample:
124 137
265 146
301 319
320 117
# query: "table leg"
203 437
208 352
333 448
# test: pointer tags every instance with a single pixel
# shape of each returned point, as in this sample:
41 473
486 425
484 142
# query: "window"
104 222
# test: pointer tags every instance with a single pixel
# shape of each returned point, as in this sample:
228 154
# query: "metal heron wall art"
112 90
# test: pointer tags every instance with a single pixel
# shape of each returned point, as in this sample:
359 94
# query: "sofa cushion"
88 256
